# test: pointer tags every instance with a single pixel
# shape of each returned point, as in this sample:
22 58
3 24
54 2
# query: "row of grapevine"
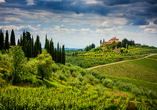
43 98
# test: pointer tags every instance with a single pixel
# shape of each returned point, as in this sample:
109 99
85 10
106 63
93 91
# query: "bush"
136 91
54 67
83 72
80 78
31 66
106 81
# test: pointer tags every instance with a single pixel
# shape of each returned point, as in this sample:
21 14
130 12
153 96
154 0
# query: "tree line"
30 48
88 48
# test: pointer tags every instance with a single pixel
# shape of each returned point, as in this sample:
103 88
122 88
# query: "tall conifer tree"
12 38
6 40
1 40
63 55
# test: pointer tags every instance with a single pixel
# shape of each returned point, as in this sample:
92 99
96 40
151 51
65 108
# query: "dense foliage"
88 48
66 98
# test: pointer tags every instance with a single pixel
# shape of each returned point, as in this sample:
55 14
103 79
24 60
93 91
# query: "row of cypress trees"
31 48
4 41
58 54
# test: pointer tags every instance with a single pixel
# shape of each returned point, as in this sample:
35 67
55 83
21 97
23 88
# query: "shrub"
72 69
54 67
61 76
80 78
106 81
74 74
31 66
136 91
83 72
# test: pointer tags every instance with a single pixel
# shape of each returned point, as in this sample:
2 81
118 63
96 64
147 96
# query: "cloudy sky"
78 23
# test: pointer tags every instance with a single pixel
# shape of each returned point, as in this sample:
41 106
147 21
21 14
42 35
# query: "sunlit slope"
138 70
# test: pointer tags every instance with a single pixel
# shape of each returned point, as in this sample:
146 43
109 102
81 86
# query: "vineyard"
143 69
153 56
68 98
91 58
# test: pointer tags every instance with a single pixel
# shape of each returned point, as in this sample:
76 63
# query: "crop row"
43 98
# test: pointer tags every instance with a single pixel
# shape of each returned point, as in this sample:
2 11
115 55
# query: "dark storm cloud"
137 12
120 2
155 22
16 1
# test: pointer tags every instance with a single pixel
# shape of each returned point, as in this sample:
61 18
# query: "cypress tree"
51 49
38 48
45 47
63 55
32 45
60 55
12 38
1 40
6 40
55 54
18 42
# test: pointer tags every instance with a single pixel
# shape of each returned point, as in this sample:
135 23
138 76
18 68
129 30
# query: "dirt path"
120 62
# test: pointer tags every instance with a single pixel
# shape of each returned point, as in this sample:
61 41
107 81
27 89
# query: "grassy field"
154 57
141 70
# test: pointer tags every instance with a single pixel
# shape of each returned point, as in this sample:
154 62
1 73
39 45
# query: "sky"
78 23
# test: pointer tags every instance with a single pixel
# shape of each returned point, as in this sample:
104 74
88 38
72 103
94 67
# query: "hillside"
137 71
65 87
104 55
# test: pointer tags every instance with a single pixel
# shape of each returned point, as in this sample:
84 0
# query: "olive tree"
44 64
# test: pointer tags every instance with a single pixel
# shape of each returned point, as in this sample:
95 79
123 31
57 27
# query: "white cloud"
13 19
21 28
30 2
106 24
75 2
150 30
151 25
92 2
2 0
85 29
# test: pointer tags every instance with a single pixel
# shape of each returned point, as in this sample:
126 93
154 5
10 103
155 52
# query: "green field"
141 70
153 56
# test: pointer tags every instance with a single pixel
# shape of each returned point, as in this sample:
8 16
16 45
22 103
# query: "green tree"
6 40
37 47
113 45
1 40
18 42
119 44
52 49
44 64
124 42
12 38
55 55
63 55
17 64
100 41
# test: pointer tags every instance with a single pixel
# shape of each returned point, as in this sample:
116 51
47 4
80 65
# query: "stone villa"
110 41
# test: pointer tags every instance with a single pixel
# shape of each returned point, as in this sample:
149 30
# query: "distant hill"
70 48
73 48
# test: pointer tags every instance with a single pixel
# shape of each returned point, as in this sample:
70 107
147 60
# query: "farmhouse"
110 41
